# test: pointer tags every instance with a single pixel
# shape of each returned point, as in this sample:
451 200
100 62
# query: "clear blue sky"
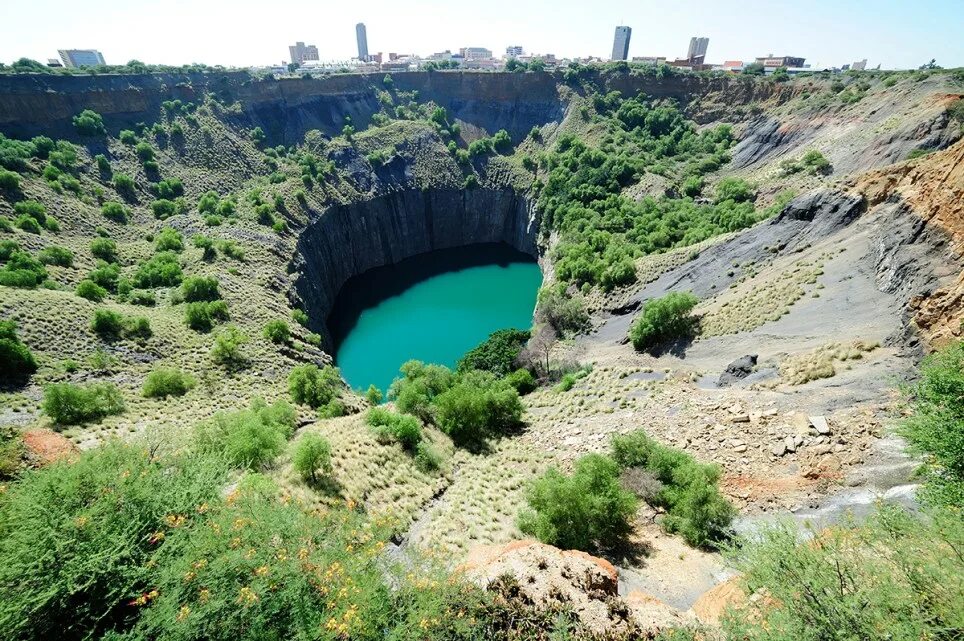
894 33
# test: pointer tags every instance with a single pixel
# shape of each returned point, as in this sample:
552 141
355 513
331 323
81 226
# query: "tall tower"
362 37
621 43
697 48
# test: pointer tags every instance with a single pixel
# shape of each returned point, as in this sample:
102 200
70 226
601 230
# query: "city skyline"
235 34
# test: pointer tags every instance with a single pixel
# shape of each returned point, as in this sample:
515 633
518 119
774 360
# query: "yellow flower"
246 595
261 571
203 595
81 521
156 537
189 576
174 520
183 612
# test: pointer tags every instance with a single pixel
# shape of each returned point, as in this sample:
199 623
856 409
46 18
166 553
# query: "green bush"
390 427
314 387
202 316
231 249
522 381
144 151
415 391
169 239
89 123
250 438
7 248
115 211
137 328
127 137
56 255
373 395
585 511
277 331
102 163
22 270
200 288
735 189
894 576
206 245
106 275
9 181
312 453
107 324
300 316
142 297
497 353
69 404
161 270
31 208
164 208
936 428
28 224
476 407
227 348
566 314
16 360
169 188
163 382
663 319
77 537
105 249
124 184
688 490
91 291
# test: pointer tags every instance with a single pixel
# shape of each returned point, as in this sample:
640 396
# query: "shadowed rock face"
350 239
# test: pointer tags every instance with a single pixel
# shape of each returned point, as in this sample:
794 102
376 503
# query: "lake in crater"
433 307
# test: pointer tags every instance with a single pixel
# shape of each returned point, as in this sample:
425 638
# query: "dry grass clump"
819 363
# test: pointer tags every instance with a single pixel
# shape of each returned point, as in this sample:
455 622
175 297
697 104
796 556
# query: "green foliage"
687 489
104 249
127 137
22 270
9 181
390 427
522 380
257 135
416 389
495 354
300 316
314 387
28 224
107 324
89 123
663 319
56 255
227 348
936 429
164 208
373 395
206 245
735 189
277 331
231 249
201 316
124 184
566 314
69 404
200 288
250 438
162 382
161 270
477 406
106 275
91 291
7 248
813 162
585 511
16 360
115 211
76 537
896 576
312 452
144 151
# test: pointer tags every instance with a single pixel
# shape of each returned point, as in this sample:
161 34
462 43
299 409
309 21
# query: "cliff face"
350 239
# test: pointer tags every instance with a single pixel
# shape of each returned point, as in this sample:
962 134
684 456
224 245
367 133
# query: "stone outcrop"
738 370
346 240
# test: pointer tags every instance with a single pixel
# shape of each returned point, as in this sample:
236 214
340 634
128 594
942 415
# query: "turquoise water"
433 308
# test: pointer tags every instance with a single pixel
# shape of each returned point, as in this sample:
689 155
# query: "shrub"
585 511
936 429
227 348
299 316
142 297
250 438
277 331
69 404
56 255
105 249
89 123
567 315
107 324
106 275
418 386
22 270
312 452
163 382
522 380
91 291
144 151
124 184
7 248
495 354
695 509
202 316
16 360
127 137
390 427
137 328
206 245
663 319
9 181
373 395
164 208
477 406
312 386
83 532
115 211
200 288
161 270
28 224
735 189
170 188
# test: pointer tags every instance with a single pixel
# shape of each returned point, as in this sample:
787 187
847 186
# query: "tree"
495 354
16 360
476 407
277 331
753 69
89 123
312 386
312 453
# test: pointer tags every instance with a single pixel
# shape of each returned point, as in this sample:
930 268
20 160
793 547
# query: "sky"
893 33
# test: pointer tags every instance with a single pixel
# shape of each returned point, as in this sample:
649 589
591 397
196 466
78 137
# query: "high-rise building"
300 52
513 51
621 43
362 35
81 57
697 48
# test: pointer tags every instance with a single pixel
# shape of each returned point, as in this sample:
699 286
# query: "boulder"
711 605
43 446
737 370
